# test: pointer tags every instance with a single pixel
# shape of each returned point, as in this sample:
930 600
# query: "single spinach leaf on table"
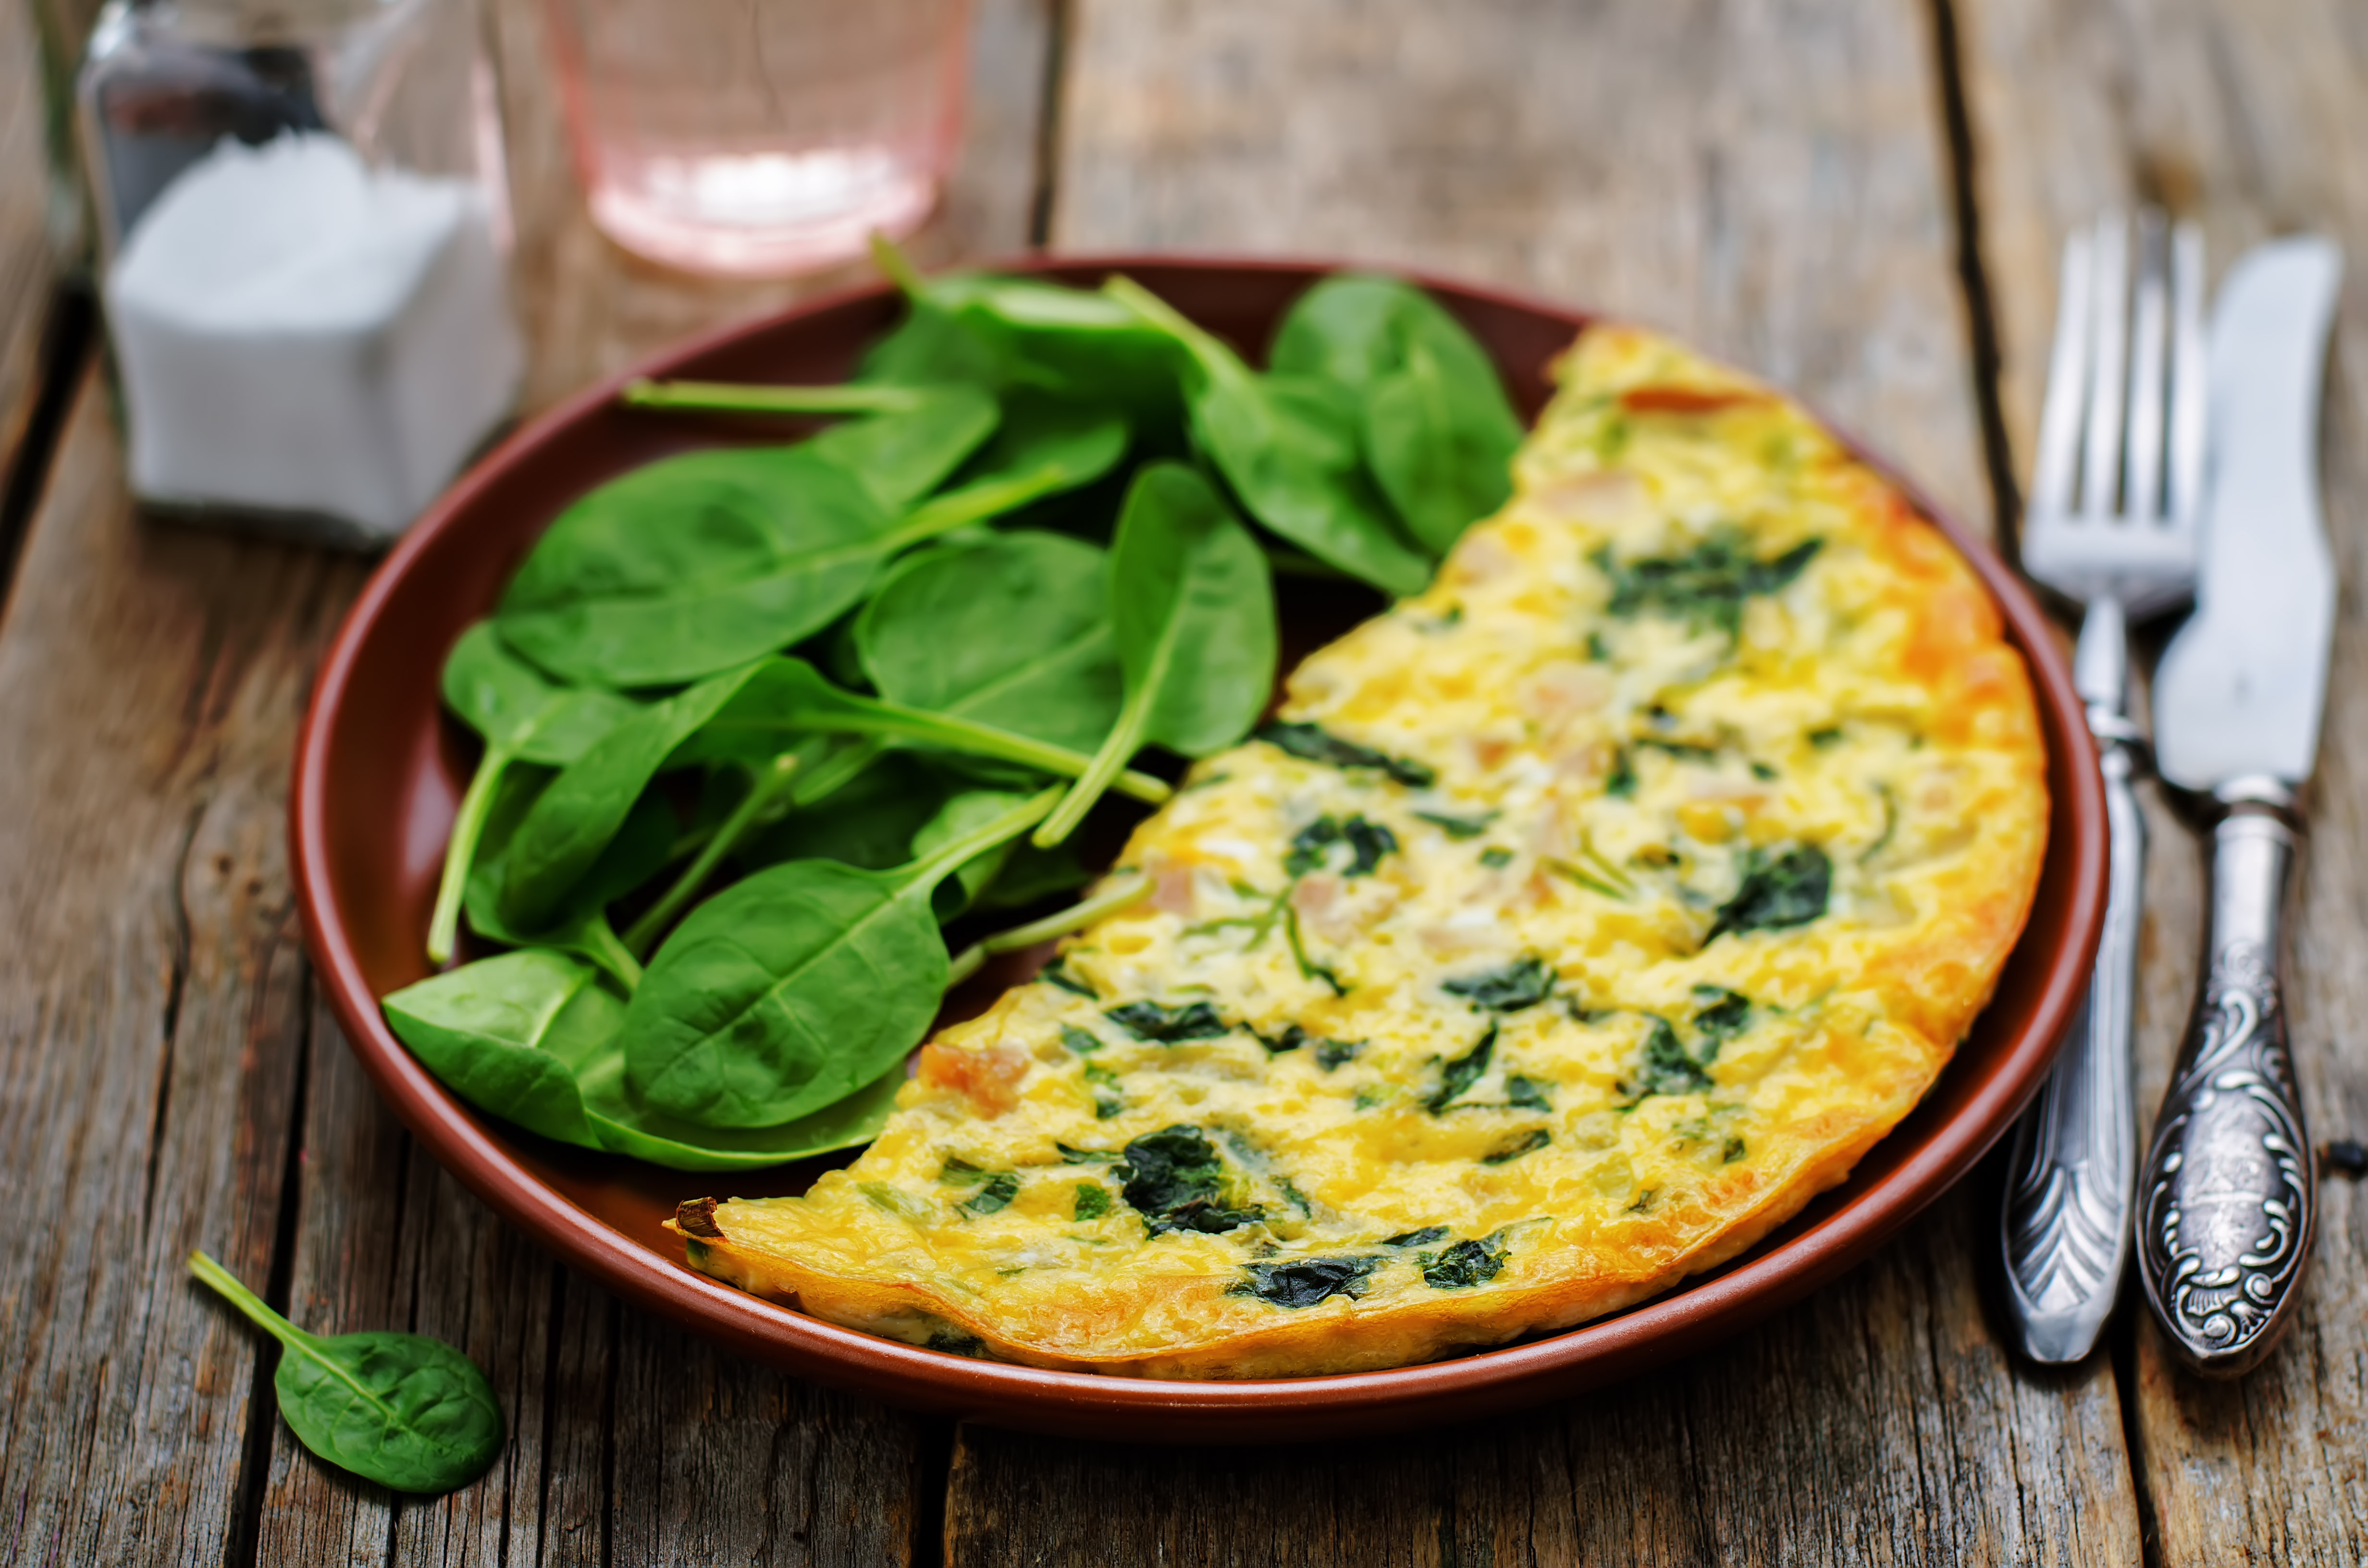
522 717
790 989
407 1412
1192 610
1436 425
1289 449
534 1038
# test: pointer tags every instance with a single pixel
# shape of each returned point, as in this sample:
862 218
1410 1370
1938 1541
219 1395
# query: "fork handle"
2229 1188
2064 1231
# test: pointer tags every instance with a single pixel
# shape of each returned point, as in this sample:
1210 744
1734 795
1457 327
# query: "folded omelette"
1570 926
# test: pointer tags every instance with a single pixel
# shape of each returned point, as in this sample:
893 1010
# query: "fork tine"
2109 306
2141 452
2067 362
2187 372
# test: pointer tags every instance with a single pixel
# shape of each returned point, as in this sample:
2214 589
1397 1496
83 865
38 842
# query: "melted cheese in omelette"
1576 922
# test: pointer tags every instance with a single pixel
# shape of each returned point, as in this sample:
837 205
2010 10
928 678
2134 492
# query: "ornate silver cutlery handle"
2228 1194
2066 1225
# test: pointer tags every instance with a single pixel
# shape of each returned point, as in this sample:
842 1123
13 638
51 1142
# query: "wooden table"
1861 198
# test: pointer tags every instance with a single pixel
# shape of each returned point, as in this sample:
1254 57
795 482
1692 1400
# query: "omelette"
1569 928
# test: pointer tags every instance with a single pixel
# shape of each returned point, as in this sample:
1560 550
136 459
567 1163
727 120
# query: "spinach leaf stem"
766 788
248 1303
460 849
1103 770
1085 912
729 397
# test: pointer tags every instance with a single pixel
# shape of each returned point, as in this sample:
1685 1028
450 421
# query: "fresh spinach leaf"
573 821
1462 1266
523 716
1305 1281
1707 585
788 990
1789 888
1366 843
1192 610
580 928
1288 446
1459 1073
1312 742
534 1038
1524 983
695 563
409 1413
1168 1024
902 455
1012 632
1175 1179
1438 428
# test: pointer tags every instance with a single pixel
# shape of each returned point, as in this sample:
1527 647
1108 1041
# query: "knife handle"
2066 1227
2229 1197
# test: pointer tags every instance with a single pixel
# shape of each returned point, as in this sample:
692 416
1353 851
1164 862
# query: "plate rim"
1803 1257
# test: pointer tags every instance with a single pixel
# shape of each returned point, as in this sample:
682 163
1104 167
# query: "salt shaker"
303 240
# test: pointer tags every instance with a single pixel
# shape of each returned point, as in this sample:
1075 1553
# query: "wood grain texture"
26 266
1788 206
164 1072
2246 116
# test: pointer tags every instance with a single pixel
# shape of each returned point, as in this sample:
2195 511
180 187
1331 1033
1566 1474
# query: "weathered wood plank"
26 266
1790 209
2242 115
151 1014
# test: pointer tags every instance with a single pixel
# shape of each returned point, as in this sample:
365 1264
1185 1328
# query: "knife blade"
2240 687
2227 1195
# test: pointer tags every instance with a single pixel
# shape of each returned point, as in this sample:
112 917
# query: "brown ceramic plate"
379 771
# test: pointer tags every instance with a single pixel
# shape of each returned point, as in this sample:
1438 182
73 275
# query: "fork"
2112 524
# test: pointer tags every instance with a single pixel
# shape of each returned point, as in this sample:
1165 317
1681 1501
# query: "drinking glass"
760 137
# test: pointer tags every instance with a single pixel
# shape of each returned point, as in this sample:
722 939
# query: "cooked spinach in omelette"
1572 923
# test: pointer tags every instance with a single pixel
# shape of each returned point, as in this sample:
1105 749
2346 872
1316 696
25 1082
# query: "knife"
2227 1195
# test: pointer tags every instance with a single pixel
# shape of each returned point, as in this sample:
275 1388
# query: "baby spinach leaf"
1437 427
573 821
1012 632
532 1037
1457 1077
1304 1281
1168 1024
409 1413
961 815
1462 1266
790 988
1786 889
768 790
695 563
522 716
1192 610
780 701
1175 1179
1289 449
901 456
870 821
1053 443
581 926
1524 983
1312 742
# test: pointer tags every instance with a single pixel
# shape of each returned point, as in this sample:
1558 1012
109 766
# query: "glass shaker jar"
303 241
